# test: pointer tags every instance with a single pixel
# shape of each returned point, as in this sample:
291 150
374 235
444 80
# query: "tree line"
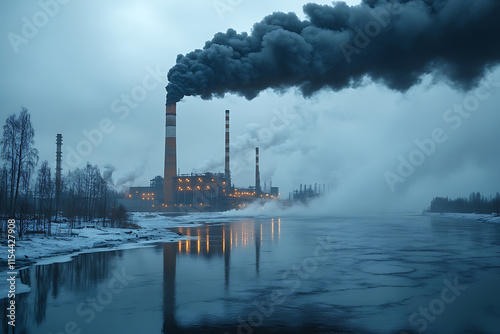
476 203
28 194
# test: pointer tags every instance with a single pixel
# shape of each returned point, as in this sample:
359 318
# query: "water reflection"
210 241
76 280
80 274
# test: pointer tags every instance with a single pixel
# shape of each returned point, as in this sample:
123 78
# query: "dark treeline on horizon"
28 194
474 204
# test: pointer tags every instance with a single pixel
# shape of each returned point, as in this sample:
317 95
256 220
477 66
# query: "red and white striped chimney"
227 170
170 154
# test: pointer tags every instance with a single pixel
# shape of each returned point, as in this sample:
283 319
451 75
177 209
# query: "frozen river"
386 274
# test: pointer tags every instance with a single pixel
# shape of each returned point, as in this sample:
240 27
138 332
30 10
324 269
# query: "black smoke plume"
393 43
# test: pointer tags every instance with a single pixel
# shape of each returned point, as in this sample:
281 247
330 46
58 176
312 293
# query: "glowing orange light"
199 244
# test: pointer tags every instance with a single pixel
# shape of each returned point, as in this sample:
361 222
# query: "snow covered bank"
63 246
470 216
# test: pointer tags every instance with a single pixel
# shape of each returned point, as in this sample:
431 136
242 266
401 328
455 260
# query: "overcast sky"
74 69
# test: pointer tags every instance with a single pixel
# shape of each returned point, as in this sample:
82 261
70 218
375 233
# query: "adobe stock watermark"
121 107
292 280
437 306
31 26
453 118
382 17
223 6
88 309
265 136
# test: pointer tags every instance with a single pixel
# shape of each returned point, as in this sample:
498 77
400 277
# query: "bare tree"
9 143
45 190
19 155
4 190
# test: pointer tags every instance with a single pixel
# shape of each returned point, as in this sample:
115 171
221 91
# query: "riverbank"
492 218
92 237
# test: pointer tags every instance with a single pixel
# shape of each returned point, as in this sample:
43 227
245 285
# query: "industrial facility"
208 191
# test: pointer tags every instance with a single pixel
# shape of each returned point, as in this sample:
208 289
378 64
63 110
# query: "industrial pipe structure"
170 154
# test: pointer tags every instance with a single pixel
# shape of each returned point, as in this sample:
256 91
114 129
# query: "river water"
385 274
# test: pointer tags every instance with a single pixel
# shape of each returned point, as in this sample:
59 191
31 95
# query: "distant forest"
476 203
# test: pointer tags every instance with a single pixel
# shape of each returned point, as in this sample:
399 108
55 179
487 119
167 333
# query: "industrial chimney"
58 170
227 170
170 154
257 172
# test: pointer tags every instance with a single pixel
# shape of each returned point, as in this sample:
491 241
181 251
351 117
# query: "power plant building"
196 191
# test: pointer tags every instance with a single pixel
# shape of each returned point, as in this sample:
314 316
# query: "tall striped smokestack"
257 172
58 170
227 170
170 154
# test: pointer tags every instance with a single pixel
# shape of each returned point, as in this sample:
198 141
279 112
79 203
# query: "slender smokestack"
257 172
58 170
170 154
227 170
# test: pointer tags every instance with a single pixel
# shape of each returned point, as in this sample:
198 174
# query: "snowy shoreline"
41 249
485 218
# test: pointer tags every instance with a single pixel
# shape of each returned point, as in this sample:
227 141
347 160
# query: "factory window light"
180 180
